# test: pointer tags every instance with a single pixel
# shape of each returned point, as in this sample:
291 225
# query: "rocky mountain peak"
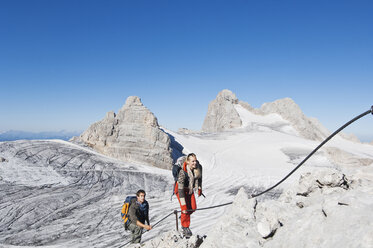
131 135
221 114
227 95
133 111
284 107
309 128
133 101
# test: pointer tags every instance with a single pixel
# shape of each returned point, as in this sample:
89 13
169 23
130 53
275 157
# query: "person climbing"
138 213
189 178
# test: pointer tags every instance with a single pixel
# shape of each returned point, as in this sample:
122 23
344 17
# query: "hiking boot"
187 232
190 232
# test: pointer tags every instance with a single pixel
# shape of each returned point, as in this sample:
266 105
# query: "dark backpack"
177 166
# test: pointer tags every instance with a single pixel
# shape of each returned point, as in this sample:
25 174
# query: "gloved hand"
199 192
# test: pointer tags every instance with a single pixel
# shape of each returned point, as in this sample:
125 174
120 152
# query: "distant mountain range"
23 135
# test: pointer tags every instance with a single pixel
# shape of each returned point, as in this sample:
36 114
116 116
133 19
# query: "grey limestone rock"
309 128
221 114
131 135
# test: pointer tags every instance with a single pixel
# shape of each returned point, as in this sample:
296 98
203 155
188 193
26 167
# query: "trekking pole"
177 223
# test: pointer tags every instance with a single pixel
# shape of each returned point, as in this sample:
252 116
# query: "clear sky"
64 64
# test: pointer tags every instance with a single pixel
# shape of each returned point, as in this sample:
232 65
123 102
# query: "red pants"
191 205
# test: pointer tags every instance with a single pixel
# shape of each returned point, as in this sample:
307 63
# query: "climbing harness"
370 111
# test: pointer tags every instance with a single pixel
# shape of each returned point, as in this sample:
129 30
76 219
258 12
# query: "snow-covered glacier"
58 194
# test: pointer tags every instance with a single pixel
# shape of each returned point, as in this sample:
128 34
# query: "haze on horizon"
64 64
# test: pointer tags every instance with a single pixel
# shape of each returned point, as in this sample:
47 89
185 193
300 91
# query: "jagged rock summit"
131 135
309 128
221 114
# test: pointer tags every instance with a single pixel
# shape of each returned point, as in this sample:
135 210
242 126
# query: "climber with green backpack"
135 212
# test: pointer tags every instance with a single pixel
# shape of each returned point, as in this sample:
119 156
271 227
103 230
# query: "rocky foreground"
326 209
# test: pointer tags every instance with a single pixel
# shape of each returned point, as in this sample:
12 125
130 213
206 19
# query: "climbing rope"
370 111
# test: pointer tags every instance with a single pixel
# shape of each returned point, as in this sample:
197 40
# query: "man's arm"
147 227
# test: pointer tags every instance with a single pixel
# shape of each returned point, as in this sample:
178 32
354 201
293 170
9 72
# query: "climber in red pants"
190 178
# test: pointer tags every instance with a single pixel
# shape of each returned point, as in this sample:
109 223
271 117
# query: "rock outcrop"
323 205
309 128
221 114
3 160
131 135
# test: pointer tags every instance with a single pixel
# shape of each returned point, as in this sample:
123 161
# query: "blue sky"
64 64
